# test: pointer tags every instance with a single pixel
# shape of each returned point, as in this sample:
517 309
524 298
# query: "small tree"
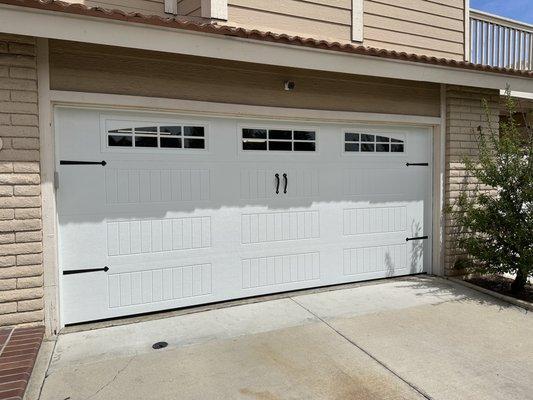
496 226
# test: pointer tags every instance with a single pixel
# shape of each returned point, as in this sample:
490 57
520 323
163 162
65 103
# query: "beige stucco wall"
465 114
21 274
105 69
433 28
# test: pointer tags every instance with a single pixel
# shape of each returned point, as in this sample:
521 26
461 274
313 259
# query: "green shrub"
496 226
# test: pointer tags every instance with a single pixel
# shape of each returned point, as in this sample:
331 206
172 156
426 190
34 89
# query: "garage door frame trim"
109 102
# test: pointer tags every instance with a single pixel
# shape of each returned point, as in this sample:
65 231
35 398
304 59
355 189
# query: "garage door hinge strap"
83 271
67 162
421 164
416 238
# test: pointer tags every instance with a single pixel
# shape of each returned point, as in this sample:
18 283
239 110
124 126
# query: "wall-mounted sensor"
290 85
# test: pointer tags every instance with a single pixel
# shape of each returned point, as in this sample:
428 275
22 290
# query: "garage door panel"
257 184
149 236
89 243
302 183
374 220
87 294
388 259
276 227
179 228
371 182
79 131
143 287
121 190
417 252
83 192
159 284
148 186
94 189
262 183
136 292
280 271
81 244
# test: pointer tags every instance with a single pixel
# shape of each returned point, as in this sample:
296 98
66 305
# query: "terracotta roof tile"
198 25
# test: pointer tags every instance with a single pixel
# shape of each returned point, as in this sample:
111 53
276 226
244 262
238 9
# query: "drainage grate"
159 345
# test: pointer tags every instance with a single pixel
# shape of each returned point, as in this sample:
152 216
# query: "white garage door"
159 212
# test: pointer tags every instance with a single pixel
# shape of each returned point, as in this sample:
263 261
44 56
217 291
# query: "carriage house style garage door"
166 211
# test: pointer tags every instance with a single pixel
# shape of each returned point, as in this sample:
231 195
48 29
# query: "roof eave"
83 24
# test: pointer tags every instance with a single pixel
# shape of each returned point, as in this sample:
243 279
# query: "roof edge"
195 25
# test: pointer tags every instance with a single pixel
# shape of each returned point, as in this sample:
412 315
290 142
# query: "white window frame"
391 133
357 20
293 128
139 120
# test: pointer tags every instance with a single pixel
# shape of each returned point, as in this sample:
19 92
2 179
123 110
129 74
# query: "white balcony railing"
500 42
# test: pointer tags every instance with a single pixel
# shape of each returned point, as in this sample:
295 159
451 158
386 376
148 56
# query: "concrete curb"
508 299
38 375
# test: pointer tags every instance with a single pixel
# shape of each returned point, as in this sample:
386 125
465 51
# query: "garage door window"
158 136
278 140
369 143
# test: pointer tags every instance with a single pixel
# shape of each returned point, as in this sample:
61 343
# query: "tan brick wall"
464 115
21 273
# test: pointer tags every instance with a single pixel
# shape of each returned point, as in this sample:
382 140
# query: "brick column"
464 115
21 274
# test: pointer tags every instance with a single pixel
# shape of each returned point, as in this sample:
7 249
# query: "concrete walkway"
415 338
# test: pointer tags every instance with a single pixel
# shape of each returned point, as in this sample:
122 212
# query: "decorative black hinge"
67 162
416 238
83 271
421 164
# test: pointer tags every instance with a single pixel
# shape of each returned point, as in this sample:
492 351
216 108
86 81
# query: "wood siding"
147 7
428 27
424 27
190 7
105 69
323 19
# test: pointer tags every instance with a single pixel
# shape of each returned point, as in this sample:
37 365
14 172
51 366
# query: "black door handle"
286 183
277 183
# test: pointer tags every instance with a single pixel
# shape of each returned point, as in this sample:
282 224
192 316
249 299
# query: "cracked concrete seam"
120 371
353 343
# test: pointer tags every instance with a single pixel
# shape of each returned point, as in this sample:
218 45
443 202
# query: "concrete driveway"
415 338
